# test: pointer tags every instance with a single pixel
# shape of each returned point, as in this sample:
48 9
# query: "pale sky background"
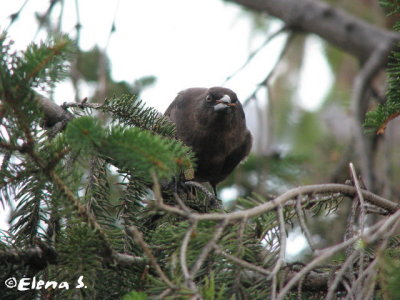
184 43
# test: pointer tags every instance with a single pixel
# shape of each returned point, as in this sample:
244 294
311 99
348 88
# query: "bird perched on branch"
212 122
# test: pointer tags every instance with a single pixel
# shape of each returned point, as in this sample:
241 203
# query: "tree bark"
337 27
53 113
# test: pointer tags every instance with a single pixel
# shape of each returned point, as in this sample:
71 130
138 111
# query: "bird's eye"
208 98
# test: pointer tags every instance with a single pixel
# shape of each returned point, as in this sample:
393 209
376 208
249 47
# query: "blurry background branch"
343 30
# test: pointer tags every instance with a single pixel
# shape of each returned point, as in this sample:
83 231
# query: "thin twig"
159 202
370 271
349 233
273 287
242 228
182 204
112 29
361 84
124 259
164 294
282 248
302 222
375 232
285 199
207 248
183 260
282 251
300 289
157 189
138 237
265 81
340 274
241 262
348 289
255 52
14 16
82 104
362 214
78 25
45 17
372 209
293 193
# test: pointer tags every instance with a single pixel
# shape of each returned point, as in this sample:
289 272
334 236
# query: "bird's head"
221 99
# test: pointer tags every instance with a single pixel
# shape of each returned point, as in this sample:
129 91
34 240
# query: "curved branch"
53 113
337 27
375 232
372 198
359 104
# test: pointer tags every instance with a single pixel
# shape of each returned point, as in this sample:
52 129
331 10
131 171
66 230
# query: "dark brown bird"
212 122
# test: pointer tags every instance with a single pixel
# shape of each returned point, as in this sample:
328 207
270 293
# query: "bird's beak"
223 103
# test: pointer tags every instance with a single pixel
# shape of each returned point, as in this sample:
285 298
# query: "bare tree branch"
185 269
266 80
289 195
302 222
207 248
254 53
339 276
375 232
241 262
337 27
282 244
362 214
359 106
53 113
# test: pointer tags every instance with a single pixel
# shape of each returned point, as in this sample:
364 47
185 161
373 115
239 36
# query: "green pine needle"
129 148
131 111
378 119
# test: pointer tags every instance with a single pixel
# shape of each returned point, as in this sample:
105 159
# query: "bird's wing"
236 156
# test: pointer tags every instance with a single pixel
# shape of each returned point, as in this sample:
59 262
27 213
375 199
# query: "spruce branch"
132 149
81 210
377 120
131 111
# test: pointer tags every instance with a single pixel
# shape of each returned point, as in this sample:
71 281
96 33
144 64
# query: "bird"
212 122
